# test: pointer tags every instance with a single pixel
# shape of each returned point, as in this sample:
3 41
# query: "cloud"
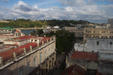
90 8
74 9
73 2
100 0
22 6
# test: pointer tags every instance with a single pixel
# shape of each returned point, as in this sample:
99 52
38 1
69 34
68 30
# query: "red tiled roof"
6 55
44 39
24 37
74 70
85 55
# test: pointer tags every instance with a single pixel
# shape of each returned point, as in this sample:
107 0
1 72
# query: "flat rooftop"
7 54
6 47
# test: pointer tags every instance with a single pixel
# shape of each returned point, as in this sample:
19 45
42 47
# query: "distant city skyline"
91 10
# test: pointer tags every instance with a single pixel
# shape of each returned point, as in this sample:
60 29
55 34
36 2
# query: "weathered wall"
30 62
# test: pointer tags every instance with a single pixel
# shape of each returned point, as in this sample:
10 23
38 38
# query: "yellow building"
98 33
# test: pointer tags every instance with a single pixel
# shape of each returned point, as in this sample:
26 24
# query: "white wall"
104 44
104 48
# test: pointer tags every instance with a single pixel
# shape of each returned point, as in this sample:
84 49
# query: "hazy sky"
91 10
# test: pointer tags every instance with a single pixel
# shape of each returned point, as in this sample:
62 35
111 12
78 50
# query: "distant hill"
40 23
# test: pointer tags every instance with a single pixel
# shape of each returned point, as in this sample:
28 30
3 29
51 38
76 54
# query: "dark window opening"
97 42
110 43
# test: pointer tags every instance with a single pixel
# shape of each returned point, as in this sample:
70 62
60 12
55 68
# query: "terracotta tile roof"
74 70
6 55
44 39
24 37
85 55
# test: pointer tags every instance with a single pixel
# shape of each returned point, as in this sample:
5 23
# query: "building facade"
98 33
26 58
110 21
104 49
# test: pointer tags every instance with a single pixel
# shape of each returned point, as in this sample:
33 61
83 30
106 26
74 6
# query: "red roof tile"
44 39
24 37
9 54
74 70
85 55
6 55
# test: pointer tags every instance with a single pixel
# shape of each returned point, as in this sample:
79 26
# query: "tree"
64 41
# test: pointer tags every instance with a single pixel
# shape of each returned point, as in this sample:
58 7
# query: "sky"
91 10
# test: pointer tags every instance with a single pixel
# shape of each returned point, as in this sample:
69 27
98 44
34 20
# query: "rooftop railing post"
31 48
38 44
44 35
24 50
14 55
42 42
47 40
1 61
51 39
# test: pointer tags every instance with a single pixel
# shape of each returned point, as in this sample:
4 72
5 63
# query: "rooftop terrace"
10 55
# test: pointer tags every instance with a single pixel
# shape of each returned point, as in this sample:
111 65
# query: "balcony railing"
25 53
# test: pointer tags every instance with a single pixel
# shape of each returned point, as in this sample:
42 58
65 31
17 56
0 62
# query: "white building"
56 27
104 49
103 46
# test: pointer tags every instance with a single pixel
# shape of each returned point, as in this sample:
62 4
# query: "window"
40 57
97 42
35 61
28 65
20 70
110 43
